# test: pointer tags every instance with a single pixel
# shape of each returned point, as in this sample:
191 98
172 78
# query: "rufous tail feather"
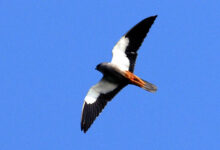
149 86
140 82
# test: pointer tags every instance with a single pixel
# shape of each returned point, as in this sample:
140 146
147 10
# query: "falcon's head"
100 67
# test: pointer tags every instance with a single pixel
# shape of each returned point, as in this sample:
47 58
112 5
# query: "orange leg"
134 79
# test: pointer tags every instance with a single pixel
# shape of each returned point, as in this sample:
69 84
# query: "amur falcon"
117 74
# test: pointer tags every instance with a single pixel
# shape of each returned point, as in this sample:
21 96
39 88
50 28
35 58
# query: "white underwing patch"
102 87
119 57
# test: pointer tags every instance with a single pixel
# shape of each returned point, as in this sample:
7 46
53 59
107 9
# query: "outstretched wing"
96 99
125 51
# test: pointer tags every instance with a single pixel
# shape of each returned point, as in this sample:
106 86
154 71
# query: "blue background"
48 53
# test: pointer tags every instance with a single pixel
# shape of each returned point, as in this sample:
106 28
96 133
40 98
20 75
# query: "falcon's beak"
98 67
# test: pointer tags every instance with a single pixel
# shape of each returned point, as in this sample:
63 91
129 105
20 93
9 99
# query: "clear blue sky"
48 53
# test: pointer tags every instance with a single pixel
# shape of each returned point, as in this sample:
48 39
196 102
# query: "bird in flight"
117 74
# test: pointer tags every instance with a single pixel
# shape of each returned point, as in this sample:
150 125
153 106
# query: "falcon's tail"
140 82
148 86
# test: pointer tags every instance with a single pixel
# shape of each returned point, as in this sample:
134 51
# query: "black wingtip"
155 16
151 17
84 130
84 127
